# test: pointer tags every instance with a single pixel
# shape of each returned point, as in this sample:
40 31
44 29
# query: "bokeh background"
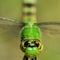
48 10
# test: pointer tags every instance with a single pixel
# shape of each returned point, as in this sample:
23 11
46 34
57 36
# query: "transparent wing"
4 20
9 27
7 19
50 27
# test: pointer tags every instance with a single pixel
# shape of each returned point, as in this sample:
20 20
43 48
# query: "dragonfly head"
31 47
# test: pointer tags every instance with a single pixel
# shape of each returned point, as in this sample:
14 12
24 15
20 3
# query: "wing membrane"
6 22
9 27
49 23
50 27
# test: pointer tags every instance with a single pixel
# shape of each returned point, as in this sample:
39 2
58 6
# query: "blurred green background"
48 10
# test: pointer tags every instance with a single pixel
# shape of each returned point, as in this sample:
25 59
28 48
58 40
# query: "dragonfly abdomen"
29 11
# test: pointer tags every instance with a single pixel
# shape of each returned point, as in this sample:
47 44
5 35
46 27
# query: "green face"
31 47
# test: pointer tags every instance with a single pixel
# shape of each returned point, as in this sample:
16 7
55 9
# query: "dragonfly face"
31 47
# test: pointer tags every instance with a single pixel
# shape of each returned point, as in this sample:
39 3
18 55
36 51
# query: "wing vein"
49 23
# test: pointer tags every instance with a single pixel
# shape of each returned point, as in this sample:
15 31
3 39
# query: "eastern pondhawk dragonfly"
51 28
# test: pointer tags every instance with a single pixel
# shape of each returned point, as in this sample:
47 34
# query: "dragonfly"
31 43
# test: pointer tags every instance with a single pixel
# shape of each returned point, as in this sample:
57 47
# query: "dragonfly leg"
29 58
34 58
25 58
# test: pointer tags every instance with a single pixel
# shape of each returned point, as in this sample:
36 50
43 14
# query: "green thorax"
30 32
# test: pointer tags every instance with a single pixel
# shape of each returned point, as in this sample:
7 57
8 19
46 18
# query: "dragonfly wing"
50 27
49 23
9 22
7 19
9 27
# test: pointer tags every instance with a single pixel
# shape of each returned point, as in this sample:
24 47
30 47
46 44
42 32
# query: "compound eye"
36 43
26 43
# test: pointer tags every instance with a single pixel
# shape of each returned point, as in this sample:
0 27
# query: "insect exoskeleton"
30 40
31 47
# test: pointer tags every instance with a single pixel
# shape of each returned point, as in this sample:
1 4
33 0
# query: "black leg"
25 58
34 58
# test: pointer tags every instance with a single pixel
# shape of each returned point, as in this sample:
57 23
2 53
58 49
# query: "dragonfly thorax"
30 32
